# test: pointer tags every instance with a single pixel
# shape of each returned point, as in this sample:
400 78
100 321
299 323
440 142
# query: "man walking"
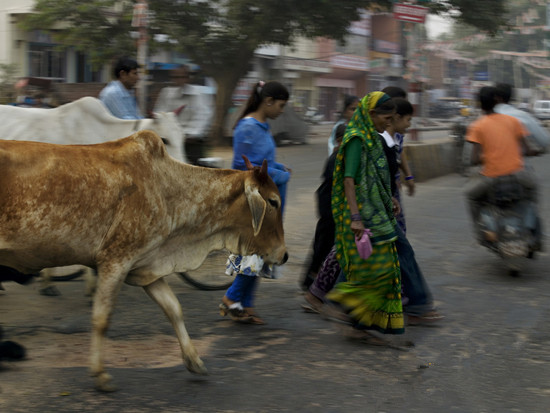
119 95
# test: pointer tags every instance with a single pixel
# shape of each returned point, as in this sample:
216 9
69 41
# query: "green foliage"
95 27
219 31
509 37
526 13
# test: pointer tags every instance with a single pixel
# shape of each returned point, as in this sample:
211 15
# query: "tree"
522 32
222 35
99 28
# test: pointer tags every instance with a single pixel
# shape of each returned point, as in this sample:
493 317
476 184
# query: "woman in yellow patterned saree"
362 199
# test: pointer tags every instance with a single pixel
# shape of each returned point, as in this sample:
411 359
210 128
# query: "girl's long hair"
261 91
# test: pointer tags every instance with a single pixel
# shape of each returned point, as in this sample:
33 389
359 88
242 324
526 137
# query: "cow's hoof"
103 382
196 366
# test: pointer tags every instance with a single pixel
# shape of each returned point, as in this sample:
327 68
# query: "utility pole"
412 14
140 20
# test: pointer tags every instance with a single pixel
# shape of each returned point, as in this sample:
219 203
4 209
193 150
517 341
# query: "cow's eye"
274 203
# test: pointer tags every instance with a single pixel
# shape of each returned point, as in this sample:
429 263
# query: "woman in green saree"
362 199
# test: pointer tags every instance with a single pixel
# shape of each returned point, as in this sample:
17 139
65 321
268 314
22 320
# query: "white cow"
85 121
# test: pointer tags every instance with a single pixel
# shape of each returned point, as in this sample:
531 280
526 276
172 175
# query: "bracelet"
356 217
408 178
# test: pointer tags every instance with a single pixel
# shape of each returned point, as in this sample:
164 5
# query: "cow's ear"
257 206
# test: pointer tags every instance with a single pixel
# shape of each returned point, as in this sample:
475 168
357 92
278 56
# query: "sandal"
309 309
250 318
334 312
235 310
314 305
373 340
425 319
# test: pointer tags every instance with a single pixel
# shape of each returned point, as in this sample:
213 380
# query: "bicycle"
210 276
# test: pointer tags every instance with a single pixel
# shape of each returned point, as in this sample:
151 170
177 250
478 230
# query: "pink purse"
364 246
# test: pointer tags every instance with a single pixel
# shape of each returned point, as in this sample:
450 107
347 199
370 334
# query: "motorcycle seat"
506 189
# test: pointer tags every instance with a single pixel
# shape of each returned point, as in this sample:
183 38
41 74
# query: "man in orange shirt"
499 144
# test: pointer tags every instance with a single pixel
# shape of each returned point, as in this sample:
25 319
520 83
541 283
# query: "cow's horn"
247 163
263 170
178 110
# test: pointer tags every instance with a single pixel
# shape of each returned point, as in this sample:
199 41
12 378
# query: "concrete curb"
431 159
427 159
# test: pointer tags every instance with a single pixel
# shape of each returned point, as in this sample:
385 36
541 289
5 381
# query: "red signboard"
410 13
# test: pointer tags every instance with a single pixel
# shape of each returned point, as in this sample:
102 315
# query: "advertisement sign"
410 13
363 26
386 47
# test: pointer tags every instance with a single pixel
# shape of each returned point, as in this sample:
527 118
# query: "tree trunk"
227 80
219 130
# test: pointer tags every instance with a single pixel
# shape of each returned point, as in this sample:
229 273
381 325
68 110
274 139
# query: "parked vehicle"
313 116
541 109
289 127
446 108
509 223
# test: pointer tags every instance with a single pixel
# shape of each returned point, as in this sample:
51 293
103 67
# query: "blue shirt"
537 132
120 101
253 139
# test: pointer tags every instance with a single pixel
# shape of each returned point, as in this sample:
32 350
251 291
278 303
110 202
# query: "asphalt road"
490 354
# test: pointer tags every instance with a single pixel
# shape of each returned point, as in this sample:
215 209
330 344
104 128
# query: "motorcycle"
509 224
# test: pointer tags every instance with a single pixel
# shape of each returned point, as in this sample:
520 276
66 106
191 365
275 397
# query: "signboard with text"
410 13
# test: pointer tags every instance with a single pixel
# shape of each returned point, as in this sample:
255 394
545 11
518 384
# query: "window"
84 70
46 61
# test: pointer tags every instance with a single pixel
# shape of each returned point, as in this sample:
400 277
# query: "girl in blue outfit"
252 138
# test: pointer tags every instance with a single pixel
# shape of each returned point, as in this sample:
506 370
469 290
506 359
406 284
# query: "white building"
34 53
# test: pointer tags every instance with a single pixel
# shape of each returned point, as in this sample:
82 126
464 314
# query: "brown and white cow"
134 214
